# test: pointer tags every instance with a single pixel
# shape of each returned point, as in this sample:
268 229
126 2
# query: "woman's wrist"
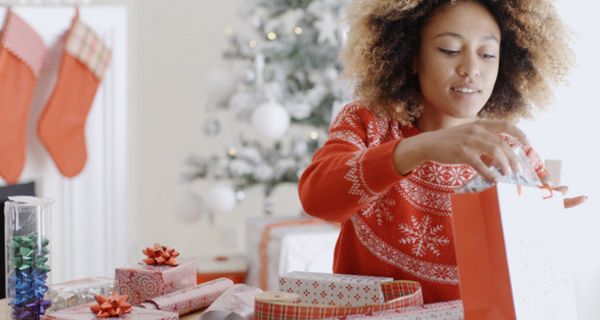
409 153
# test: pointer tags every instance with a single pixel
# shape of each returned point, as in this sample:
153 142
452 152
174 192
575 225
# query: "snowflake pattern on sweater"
423 236
392 225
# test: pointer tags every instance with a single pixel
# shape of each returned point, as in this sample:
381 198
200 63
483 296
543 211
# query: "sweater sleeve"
346 174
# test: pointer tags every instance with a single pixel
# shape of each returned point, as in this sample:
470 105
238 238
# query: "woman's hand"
476 144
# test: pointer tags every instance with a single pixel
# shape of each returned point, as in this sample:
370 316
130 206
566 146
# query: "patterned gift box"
83 312
334 289
142 282
77 292
451 310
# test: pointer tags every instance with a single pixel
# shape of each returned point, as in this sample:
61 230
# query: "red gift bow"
160 255
111 306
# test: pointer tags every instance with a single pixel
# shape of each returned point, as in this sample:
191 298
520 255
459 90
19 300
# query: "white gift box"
334 289
292 244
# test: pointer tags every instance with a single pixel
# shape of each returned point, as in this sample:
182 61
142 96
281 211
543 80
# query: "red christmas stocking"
62 124
21 55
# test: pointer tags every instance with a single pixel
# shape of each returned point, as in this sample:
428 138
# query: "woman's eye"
488 56
448 51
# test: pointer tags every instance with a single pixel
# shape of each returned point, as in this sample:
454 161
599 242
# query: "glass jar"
27 228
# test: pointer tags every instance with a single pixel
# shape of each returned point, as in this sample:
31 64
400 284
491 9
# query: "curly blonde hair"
384 38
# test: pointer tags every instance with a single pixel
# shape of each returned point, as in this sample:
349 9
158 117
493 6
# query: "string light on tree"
298 30
232 152
272 36
314 135
252 44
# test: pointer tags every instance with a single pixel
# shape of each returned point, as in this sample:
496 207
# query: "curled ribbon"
159 255
111 306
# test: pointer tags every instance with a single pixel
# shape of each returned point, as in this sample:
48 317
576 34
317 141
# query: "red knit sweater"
392 225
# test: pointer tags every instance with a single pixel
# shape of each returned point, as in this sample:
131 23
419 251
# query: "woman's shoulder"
354 114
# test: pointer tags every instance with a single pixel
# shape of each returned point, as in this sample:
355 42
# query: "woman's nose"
469 67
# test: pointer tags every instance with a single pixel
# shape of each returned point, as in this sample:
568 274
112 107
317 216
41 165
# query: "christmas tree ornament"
62 124
327 26
240 195
271 120
22 53
221 83
191 208
221 198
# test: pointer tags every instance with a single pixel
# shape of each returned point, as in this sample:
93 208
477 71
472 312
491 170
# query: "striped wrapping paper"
285 306
450 310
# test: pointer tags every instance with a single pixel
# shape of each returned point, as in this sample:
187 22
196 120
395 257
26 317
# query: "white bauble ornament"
271 120
191 207
220 83
221 198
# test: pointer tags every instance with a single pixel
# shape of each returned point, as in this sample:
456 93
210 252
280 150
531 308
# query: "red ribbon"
159 255
111 306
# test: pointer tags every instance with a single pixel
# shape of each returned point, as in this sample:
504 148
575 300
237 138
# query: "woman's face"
457 63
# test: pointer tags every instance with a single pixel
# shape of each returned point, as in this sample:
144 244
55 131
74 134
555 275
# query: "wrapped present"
234 267
190 299
76 292
278 245
114 307
83 312
451 310
158 274
334 289
283 305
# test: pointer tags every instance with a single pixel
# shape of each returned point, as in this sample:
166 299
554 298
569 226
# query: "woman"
437 84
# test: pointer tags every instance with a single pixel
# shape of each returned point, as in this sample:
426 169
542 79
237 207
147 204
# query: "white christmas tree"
286 73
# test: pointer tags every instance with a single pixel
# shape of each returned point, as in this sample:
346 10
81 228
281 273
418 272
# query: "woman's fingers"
481 167
505 127
575 201
496 151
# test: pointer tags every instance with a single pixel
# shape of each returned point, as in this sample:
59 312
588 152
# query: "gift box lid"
335 277
140 265
334 289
